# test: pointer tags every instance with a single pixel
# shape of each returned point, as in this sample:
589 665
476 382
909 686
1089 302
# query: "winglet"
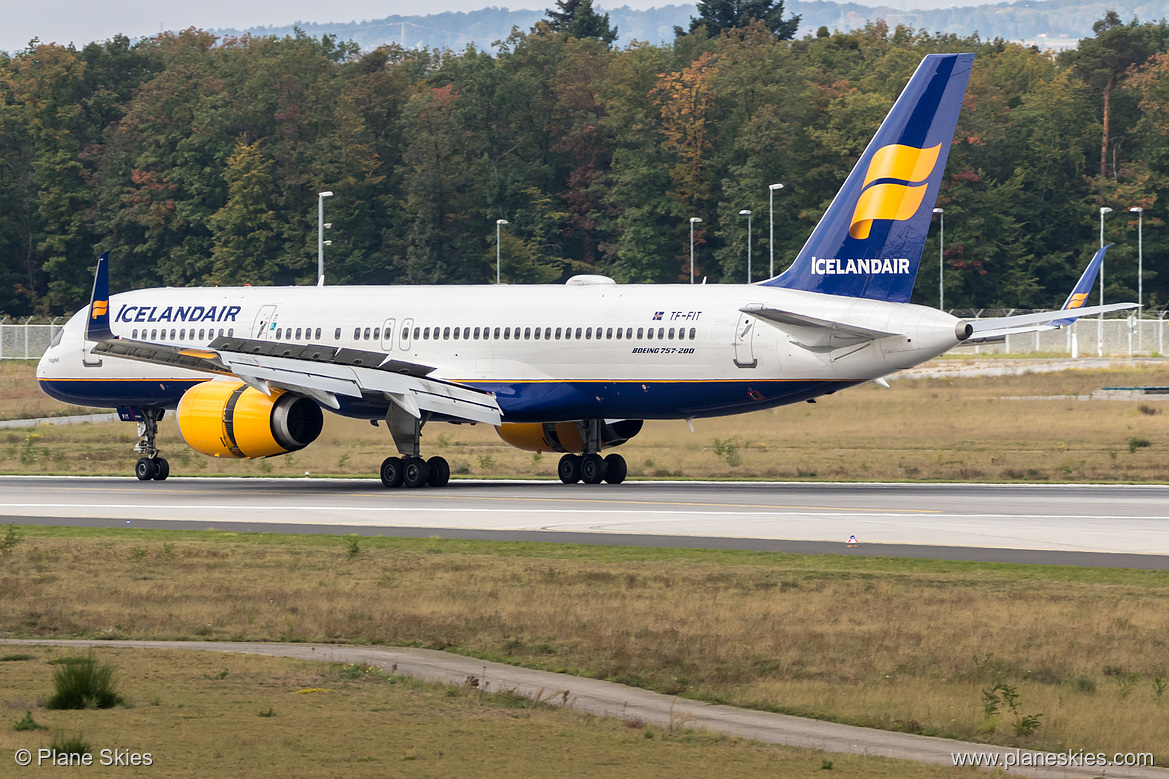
97 327
1079 293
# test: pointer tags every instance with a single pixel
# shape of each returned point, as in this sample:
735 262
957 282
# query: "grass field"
929 429
913 645
213 714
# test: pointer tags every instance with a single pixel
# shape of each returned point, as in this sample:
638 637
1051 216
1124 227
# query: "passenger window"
609 333
357 334
183 334
201 338
318 335
558 334
367 333
416 333
230 332
671 332
456 333
693 333
619 333
425 334
649 333
661 333
537 334
298 333
495 335
476 333
629 332
337 334
446 334
527 333
134 335
506 333
640 333
578 333
221 332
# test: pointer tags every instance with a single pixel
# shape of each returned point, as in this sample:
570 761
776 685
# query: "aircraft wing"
321 372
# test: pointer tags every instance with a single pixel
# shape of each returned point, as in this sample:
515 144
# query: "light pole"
941 212
1100 319
321 236
771 232
693 219
747 213
498 224
1140 212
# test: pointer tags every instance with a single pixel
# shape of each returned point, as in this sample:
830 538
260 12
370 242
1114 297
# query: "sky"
82 21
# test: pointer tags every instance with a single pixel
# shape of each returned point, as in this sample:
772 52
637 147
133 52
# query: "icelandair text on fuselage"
177 314
831 266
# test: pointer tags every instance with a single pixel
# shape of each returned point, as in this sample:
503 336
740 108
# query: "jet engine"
565 436
230 419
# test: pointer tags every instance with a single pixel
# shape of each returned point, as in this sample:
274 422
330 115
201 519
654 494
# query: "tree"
718 16
579 20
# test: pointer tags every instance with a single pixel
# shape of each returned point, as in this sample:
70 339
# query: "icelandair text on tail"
831 266
1019 758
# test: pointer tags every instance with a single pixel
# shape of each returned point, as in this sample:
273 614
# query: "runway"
1115 526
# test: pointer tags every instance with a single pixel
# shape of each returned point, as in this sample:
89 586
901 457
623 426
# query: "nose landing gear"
151 466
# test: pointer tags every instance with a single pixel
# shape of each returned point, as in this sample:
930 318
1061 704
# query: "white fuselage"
548 352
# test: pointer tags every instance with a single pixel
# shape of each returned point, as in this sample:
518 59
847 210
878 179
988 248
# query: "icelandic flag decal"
658 315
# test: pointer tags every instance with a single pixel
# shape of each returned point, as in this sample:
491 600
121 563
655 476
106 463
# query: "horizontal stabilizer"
1000 327
813 332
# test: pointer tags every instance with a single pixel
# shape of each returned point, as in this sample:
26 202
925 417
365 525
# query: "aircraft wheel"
592 469
161 469
416 472
144 469
615 469
392 472
440 472
569 469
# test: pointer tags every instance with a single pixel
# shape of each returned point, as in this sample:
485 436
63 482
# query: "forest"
197 160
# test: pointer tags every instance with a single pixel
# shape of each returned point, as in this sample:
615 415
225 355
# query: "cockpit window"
57 338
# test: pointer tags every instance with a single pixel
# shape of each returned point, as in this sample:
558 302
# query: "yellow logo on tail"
893 201
1077 300
99 308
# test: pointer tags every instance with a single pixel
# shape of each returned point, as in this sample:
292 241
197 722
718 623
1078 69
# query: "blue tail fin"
869 242
1079 294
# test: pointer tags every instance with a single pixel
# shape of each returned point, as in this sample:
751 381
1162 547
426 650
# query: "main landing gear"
411 470
150 466
415 472
590 467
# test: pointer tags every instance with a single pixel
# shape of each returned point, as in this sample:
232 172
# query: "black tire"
569 469
615 469
161 469
415 473
392 472
592 469
440 472
144 469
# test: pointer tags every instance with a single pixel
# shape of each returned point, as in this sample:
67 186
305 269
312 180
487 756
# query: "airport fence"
27 339
1117 337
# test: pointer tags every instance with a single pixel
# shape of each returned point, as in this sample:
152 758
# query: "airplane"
574 368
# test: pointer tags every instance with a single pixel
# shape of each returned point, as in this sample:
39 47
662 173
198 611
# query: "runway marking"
851 513
545 499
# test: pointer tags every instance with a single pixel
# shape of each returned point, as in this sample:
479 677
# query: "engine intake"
565 436
230 419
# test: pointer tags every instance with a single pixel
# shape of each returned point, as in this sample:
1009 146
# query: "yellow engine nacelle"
230 419
565 436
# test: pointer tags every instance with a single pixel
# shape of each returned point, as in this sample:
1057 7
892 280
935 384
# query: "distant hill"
1024 20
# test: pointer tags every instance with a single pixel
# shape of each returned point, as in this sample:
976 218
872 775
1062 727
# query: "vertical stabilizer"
869 242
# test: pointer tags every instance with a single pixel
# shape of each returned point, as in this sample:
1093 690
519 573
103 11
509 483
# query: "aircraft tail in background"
869 242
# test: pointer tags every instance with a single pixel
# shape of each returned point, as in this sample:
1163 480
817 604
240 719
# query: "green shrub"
83 683
69 745
28 723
